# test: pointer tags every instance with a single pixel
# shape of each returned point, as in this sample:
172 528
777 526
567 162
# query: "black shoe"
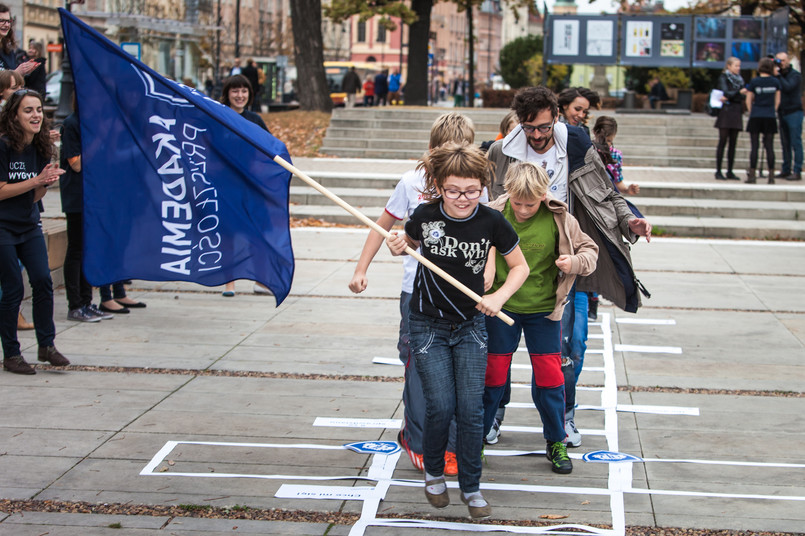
106 309
732 176
49 354
720 177
18 365
560 461
782 175
135 305
794 177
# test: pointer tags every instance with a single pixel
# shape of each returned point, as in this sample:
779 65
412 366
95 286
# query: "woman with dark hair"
573 107
8 45
238 94
730 117
762 101
25 173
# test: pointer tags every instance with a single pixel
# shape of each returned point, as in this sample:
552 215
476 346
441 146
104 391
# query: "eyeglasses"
5 22
544 129
468 194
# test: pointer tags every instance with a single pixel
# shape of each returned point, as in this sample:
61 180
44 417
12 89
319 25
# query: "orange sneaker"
416 459
450 464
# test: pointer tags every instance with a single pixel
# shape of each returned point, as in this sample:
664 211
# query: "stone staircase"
650 139
657 148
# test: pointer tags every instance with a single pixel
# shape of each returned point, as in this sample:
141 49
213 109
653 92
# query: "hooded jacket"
602 212
572 241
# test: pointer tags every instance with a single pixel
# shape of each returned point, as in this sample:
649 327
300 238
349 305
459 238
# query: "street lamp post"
66 95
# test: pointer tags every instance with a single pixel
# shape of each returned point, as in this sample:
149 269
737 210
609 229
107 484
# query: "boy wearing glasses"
447 329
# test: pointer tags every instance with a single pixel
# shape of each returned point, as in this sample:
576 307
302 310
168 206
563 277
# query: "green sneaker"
560 461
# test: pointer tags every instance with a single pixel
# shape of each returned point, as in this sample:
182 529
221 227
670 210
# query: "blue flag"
177 187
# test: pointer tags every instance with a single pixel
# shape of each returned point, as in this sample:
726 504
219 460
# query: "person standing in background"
251 74
730 118
37 78
395 84
351 85
381 88
25 174
762 99
8 45
790 114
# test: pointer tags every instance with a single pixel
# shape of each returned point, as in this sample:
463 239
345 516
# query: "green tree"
417 16
521 64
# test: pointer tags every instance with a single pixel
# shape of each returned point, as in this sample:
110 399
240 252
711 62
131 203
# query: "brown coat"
572 241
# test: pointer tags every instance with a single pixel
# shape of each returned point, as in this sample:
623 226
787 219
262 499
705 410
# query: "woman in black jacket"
730 119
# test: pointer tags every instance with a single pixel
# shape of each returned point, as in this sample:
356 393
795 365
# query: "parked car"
53 88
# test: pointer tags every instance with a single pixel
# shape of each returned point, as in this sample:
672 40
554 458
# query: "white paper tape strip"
647 321
387 361
358 423
341 493
657 410
648 349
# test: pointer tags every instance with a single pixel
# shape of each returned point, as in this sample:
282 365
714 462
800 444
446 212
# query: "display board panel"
656 41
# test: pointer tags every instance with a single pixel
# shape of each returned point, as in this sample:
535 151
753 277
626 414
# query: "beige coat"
582 249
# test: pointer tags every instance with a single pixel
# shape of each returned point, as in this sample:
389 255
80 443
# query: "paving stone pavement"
710 370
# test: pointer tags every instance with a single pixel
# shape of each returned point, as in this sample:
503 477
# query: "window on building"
381 34
361 32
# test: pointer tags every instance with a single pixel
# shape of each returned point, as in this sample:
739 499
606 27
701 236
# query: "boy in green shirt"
556 251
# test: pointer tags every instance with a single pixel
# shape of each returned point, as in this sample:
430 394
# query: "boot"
750 176
771 176
23 324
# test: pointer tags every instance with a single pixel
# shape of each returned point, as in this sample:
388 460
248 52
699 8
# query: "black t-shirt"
254 118
764 88
19 214
460 248
71 184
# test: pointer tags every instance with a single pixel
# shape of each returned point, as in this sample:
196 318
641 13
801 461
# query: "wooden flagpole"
358 214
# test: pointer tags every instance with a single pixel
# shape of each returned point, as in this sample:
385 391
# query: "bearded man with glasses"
579 179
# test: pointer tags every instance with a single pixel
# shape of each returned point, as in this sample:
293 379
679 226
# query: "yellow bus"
335 71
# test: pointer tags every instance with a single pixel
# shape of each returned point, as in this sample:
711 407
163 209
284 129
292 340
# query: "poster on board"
600 38
566 37
639 38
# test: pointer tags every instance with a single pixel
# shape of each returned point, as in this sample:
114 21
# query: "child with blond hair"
556 251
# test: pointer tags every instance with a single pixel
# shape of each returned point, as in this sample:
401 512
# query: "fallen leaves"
302 132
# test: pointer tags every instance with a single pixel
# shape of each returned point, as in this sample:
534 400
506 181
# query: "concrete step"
359 152
350 179
783 191
689 226
720 208
683 226
357 197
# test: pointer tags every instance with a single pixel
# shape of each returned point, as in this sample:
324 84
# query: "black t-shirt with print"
19 214
460 248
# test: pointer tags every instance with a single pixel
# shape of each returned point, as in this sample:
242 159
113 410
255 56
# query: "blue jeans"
574 345
413 399
451 359
791 140
34 256
543 340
